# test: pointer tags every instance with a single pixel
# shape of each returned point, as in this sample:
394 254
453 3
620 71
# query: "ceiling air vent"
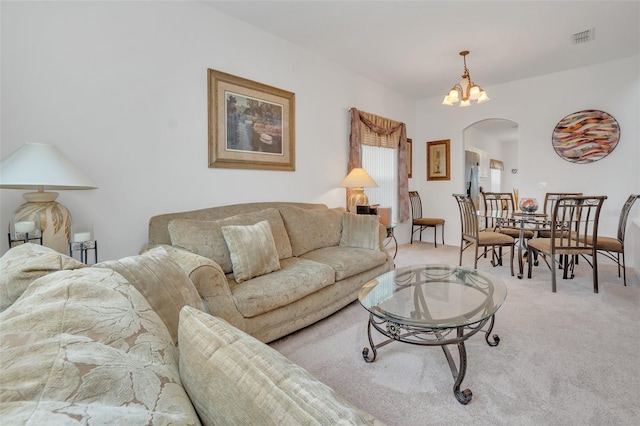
583 36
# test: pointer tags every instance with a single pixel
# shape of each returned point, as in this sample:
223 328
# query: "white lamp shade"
41 166
358 178
447 101
483 97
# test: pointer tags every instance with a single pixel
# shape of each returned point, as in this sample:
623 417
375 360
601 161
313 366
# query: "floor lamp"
41 166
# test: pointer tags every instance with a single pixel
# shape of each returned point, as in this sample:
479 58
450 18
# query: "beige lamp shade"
42 166
357 180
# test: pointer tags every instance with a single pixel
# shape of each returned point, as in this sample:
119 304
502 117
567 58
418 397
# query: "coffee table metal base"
433 337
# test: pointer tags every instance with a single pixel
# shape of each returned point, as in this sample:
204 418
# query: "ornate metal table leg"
496 338
463 397
365 351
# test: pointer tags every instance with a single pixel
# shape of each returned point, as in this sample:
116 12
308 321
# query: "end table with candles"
25 230
83 247
83 240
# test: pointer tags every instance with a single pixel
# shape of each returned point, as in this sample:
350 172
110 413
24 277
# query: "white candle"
79 237
25 226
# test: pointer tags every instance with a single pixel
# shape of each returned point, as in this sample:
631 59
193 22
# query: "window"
496 167
382 166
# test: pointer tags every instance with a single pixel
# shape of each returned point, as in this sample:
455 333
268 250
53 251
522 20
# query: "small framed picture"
251 125
438 160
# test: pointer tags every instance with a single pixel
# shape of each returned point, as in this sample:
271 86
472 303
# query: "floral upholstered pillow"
252 249
25 263
85 347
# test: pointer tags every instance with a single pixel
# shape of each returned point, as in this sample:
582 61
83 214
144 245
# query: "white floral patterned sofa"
99 345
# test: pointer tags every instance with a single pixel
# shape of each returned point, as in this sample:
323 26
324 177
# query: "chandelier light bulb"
466 91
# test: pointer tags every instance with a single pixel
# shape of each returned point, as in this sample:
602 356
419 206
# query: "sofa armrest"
382 232
210 281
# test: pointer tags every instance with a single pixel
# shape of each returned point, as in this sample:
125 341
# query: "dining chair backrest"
468 216
499 204
574 224
550 199
416 205
624 214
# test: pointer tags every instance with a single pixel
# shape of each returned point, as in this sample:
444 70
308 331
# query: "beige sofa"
99 345
324 257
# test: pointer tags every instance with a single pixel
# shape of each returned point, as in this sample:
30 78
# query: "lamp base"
357 198
55 219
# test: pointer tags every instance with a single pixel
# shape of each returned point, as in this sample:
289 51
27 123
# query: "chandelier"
467 90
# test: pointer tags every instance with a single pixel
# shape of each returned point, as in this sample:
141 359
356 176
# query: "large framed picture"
438 160
251 125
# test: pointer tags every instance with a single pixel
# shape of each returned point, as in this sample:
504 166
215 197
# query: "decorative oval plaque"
586 136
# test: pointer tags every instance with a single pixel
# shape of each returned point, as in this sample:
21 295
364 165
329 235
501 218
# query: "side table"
391 237
27 238
84 247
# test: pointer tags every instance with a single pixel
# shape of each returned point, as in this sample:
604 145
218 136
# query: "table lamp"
42 166
357 180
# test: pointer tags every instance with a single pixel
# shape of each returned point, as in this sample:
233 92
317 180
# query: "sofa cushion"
296 279
205 237
347 261
360 230
161 281
23 264
85 347
250 383
311 229
252 249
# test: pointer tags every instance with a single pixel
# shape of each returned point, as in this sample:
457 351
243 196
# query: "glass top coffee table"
433 305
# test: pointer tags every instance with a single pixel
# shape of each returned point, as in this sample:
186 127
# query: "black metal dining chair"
613 247
573 232
420 223
471 234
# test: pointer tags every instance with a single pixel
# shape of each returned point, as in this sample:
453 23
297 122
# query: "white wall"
537 104
121 89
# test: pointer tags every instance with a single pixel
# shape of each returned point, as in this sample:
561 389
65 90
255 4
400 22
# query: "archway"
486 140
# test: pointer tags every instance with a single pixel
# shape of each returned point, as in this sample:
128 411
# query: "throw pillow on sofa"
161 281
85 347
361 231
252 249
311 229
25 263
233 378
205 237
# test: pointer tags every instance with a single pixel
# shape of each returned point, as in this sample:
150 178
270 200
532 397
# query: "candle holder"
24 228
82 240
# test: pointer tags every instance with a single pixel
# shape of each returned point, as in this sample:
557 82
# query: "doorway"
486 140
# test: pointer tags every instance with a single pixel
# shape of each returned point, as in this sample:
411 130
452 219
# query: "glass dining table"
522 222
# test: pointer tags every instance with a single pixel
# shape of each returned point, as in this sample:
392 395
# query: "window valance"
496 164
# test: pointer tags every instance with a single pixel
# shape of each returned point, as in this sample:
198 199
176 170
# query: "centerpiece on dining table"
528 205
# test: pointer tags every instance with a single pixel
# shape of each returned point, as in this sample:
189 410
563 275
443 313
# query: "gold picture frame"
438 160
409 158
251 125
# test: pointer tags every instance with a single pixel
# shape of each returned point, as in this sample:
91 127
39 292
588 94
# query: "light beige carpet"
565 358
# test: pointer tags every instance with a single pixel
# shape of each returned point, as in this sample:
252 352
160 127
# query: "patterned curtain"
371 129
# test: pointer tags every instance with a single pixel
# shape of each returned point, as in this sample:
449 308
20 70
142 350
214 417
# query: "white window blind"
382 166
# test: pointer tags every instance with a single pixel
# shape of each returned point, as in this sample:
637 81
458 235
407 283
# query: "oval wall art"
586 136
